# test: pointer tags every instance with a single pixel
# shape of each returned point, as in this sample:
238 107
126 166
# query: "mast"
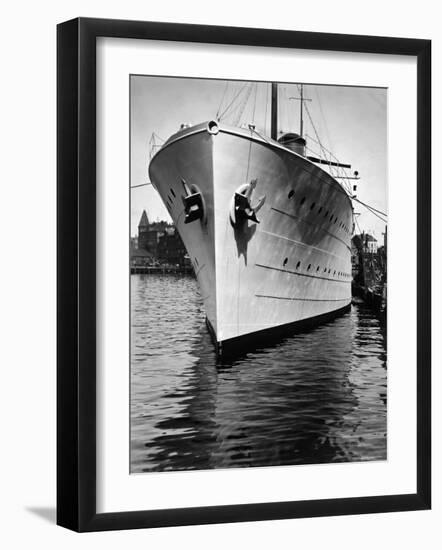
301 100
274 112
301 122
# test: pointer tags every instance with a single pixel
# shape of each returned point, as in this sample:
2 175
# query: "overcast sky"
350 122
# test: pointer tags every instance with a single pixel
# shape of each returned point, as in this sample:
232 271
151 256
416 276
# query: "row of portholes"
318 270
169 201
332 219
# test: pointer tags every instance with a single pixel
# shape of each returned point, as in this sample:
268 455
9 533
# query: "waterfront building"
139 257
157 242
149 234
171 249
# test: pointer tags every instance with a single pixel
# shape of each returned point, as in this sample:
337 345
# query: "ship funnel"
294 142
212 127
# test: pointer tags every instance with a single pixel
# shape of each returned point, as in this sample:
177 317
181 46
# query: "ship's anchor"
194 204
241 209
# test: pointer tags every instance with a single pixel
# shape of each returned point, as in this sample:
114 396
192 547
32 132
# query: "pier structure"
369 270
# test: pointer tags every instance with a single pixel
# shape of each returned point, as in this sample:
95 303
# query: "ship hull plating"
292 267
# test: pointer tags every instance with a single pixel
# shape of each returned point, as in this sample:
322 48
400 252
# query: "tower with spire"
143 232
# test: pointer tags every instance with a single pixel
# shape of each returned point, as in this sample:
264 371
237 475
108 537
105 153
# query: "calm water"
316 397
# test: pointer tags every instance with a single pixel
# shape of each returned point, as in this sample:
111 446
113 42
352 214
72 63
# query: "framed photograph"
243 225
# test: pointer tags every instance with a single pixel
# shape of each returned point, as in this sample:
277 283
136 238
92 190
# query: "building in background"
149 234
171 248
356 250
139 257
370 243
369 263
157 243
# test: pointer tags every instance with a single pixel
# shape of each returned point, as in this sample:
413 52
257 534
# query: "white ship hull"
292 267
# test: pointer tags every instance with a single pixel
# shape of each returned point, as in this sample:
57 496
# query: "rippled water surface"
317 397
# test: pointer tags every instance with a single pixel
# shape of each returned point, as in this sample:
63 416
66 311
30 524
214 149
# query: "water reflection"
315 397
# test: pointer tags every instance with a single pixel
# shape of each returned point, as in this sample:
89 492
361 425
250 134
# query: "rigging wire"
266 105
374 214
286 108
357 223
340 171
315 131
324 119
222 99
233 100
243 103
371 210
140 185
254 103
318 139
371 207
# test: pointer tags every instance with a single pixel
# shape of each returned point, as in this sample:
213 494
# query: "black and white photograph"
258 274
224 333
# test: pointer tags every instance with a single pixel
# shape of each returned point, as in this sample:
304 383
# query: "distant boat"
268 230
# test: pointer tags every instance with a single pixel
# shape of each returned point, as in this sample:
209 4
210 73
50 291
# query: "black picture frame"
76 273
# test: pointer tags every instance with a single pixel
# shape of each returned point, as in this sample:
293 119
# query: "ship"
267 227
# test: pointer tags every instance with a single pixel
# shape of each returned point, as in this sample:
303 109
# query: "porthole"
325 270
302 201
312 206
334 272
173 192
285 261
336 219
317 269
329 270
320 210
297 265
326 214
291 193
309 266
331 217
170 200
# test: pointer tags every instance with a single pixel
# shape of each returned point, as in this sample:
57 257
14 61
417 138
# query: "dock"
161 270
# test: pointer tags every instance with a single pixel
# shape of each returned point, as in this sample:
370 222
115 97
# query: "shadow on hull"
235 348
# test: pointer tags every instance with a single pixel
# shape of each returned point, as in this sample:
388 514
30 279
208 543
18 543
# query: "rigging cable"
316 133
377 215
357 223
323 118
233 100
242 105
254 103
140 185
371 210
222 99
332 156
324 149
266 105
371 207
286 107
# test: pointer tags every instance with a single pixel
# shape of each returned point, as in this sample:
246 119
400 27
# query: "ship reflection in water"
316 397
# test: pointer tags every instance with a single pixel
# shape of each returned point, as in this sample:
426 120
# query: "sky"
351 122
